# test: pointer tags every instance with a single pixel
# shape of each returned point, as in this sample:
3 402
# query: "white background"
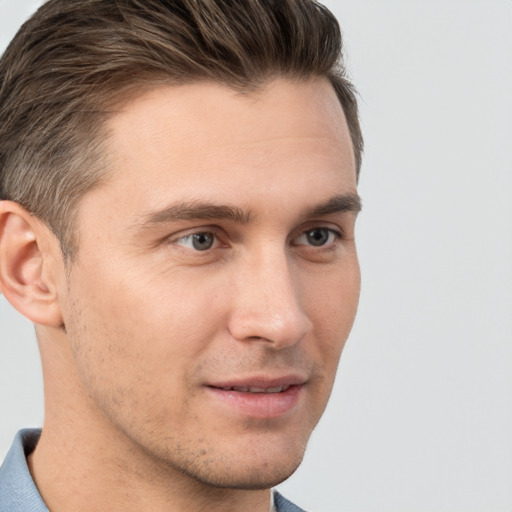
421 415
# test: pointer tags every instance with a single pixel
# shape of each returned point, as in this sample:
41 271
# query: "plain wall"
421 415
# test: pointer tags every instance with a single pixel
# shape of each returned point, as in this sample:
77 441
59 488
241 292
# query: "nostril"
279 332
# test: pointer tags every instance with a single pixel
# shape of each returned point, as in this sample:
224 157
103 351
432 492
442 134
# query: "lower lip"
260 405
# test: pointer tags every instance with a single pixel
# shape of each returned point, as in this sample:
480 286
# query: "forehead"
181 142
213 114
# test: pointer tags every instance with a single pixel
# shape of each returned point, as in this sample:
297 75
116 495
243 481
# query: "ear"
30 259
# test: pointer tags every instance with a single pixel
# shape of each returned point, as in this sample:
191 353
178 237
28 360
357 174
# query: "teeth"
241 389
275 390
257 390
253 389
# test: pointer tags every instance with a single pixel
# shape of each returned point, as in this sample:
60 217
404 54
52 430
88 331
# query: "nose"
266 304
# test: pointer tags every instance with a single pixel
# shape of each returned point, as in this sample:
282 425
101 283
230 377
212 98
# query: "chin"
256 477
251 465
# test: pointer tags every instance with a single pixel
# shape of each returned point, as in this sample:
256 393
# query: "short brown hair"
76 61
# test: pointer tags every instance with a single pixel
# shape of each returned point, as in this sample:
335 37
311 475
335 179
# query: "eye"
317 237
201 241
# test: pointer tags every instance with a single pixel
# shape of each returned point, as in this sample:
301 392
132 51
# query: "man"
178 199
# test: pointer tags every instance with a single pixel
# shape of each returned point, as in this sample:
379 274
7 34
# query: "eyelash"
190 236
332 237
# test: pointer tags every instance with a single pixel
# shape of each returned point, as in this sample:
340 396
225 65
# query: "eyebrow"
196 210
338 204
193 210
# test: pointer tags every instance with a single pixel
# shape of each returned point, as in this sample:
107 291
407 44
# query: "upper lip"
260 382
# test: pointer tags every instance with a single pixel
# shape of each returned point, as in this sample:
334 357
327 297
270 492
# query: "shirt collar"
18 490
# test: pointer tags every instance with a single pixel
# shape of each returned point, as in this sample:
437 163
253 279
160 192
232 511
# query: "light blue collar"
18 492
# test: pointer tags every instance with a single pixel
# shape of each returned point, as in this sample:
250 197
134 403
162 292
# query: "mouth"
255 389
259 398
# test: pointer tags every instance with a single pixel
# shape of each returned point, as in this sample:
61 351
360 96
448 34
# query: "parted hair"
76 62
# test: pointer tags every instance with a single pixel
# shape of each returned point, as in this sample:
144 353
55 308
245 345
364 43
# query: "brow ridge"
192 210
338 204
197 210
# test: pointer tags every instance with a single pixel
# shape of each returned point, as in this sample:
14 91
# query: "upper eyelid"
337 232
193 231
176 239
308 226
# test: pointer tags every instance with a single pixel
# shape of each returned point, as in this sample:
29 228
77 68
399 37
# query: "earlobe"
25 262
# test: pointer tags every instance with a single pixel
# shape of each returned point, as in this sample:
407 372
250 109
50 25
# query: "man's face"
217 278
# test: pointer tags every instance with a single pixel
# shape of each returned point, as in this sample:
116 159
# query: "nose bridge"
267 302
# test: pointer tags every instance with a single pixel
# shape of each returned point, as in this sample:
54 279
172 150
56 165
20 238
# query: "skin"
152 323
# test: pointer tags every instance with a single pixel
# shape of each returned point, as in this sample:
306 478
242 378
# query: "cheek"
132 365
144 306
142 330
334 309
